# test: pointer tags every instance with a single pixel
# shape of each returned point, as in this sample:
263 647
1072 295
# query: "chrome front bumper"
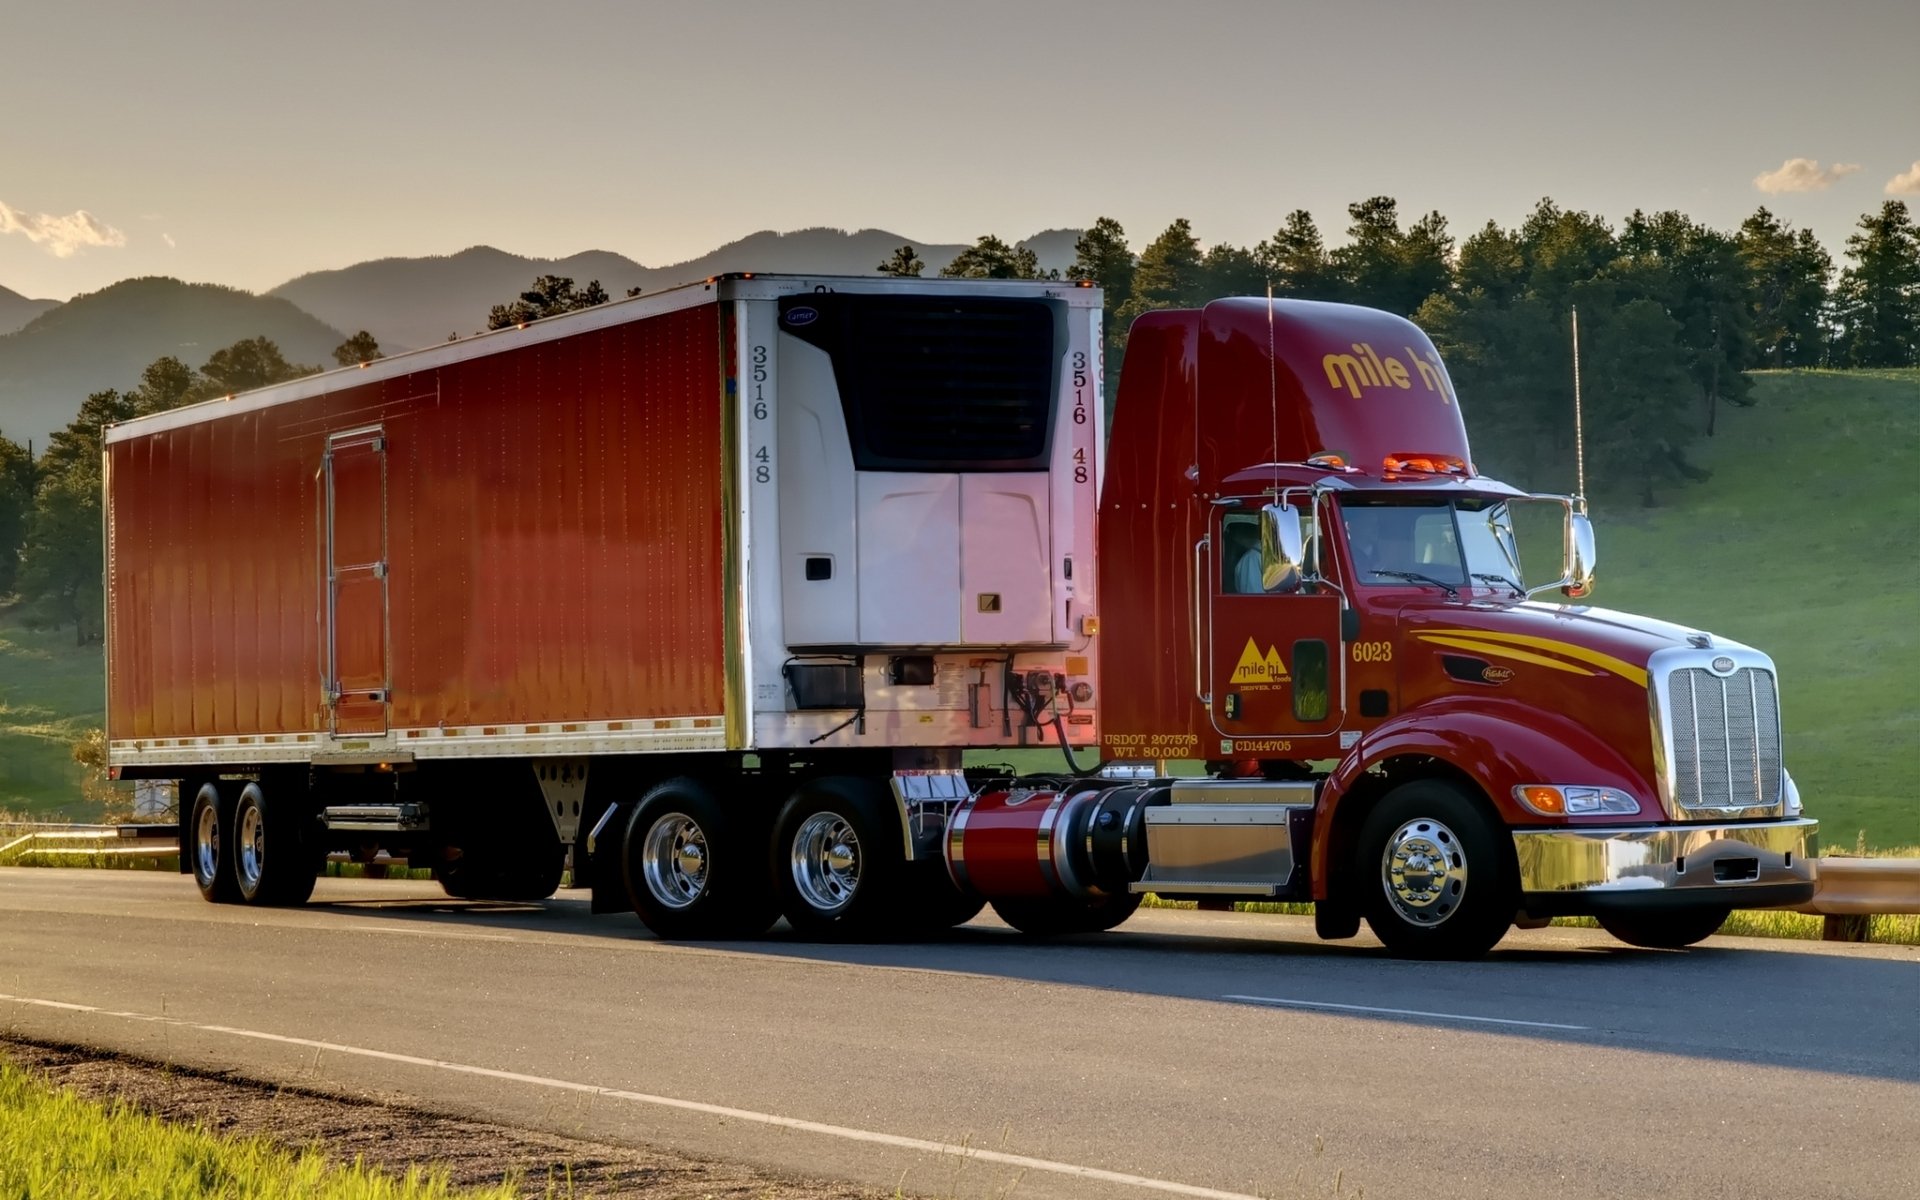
1742 865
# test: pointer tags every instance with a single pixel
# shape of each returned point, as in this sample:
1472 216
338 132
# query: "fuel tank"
1084 839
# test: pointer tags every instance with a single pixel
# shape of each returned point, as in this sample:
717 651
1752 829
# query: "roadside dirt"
393 1137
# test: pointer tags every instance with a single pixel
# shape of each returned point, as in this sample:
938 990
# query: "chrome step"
375 818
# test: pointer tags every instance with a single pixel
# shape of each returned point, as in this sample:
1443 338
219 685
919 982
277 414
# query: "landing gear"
1434 883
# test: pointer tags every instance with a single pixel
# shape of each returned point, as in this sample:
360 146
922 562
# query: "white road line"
1400 1012
716 1110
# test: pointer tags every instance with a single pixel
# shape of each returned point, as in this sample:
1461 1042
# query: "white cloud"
63 237
1907 183
1803 175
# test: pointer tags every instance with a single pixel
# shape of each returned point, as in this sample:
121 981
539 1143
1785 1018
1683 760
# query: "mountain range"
52 355
16 310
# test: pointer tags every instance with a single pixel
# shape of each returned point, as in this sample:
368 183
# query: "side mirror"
1580 556
1281 545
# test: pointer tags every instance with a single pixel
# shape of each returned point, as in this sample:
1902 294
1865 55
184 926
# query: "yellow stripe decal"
1620 667
1494 651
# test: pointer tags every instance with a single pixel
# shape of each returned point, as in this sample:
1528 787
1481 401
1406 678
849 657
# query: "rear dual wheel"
249 847
693 869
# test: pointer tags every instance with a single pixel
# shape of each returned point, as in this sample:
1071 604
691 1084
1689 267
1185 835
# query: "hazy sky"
246 143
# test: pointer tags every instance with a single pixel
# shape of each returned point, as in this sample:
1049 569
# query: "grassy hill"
106 338
1802 544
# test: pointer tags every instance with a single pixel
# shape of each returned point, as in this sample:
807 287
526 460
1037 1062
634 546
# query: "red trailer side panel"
552 546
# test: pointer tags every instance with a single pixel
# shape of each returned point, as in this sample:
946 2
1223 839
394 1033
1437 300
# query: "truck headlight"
1561 800
1792 795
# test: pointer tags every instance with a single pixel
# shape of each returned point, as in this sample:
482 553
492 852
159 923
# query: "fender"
1499 744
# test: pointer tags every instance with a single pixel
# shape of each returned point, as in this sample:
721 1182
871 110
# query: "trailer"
709 593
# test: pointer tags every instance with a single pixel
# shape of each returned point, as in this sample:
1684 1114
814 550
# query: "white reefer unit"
921 462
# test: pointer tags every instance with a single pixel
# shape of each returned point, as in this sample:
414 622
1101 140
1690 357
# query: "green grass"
1802 544
51 692
53 1143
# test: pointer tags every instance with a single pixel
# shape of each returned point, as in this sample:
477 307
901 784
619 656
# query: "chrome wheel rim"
675 860
826 862
1424 871
206 845
251 847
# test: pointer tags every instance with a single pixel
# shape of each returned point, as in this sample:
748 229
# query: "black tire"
1066 915
526 873
936 905
507 849
210 842
838 862
1674 930
1461 911
695 870
274 859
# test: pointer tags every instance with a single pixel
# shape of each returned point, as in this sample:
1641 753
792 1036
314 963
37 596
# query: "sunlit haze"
248 143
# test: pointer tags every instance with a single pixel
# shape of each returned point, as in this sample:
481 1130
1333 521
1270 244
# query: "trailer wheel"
211 848
1064 915
839 864
693 869
273 863
1666 930
1434 882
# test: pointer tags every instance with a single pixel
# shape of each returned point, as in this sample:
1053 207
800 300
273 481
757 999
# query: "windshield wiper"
1517 589
1417 577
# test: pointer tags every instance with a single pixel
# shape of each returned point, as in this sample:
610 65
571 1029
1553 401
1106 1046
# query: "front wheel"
1435 878
1666 930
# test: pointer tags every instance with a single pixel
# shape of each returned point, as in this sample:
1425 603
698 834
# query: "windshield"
1464 543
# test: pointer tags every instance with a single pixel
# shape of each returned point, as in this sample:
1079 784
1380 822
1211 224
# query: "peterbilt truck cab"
1308 584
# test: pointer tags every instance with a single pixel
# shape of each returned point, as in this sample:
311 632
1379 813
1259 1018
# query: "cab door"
1273 657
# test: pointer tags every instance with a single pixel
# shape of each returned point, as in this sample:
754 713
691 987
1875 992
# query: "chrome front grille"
1723 733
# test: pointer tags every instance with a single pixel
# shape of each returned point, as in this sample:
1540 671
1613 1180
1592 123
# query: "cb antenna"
1273 395
1579 428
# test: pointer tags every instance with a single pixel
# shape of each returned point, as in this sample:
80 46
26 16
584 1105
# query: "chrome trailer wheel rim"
1424 872
252 847
206 844
675 860
826 862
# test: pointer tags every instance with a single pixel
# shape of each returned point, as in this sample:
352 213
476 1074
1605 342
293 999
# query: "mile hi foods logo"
1256 672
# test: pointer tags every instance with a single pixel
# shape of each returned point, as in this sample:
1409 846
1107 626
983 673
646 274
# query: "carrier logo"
1364 368
801 315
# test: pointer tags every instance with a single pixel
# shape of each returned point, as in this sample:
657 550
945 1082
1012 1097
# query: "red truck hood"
1586 640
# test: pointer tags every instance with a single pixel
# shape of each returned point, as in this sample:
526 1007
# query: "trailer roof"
746 285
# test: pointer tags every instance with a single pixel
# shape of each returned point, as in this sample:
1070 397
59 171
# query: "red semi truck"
711 590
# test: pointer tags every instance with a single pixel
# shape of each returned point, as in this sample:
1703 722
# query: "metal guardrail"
25 839
1852 890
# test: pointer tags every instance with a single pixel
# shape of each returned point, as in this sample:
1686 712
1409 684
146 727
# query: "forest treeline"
1672 314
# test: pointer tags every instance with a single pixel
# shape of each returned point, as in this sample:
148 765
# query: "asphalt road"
1187 1053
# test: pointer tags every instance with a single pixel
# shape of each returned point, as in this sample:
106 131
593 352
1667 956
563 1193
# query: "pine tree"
904 263
1878 300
